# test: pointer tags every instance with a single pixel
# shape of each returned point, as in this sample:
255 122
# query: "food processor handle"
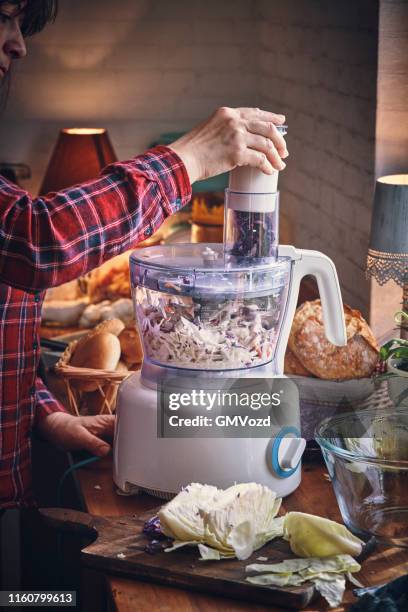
323 269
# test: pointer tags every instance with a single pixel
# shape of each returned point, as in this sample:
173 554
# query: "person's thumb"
92 444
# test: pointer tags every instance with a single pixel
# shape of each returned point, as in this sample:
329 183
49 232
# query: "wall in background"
138 67
318 61
142 67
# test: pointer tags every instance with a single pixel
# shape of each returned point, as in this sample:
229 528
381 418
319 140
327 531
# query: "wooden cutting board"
119 548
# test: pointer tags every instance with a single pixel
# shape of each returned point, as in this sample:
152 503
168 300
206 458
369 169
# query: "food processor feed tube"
251 225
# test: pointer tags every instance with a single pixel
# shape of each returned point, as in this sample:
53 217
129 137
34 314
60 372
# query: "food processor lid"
201 257
203 270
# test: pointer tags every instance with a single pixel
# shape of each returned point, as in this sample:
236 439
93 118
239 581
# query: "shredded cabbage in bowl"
235 334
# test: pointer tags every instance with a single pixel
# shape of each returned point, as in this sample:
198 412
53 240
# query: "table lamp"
388 249
79 156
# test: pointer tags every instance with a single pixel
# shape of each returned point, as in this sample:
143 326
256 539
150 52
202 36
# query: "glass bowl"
366 454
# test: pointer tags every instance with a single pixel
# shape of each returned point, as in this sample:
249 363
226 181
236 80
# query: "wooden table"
315 495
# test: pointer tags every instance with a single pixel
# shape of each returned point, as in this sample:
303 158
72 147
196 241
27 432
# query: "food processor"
219 312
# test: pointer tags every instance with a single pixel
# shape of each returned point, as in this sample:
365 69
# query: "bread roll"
111 326
309 344
97 351
98 403
131 347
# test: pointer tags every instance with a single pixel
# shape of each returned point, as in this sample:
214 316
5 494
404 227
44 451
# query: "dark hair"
37 13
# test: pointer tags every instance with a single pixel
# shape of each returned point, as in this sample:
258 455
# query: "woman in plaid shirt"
47 241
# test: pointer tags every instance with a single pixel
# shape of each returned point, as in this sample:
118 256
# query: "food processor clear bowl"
196 309
366 454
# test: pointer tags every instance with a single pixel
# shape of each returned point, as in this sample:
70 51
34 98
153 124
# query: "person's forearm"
48 241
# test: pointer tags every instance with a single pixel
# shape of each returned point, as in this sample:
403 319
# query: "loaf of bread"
293 366
309 345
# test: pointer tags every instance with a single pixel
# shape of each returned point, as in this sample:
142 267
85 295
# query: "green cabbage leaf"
327 574
315 536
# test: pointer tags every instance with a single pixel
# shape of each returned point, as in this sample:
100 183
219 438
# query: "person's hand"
70 432
233 137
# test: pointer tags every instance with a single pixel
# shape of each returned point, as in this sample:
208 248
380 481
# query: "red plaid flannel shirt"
48 241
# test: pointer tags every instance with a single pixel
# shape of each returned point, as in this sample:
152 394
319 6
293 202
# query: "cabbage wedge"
235 521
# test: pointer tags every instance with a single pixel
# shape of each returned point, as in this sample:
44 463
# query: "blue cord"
67 472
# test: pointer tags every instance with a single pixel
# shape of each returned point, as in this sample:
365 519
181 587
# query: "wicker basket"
100 401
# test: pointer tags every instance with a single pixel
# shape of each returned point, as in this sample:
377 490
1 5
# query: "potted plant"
395 355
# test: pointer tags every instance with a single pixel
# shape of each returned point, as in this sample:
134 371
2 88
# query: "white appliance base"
162 466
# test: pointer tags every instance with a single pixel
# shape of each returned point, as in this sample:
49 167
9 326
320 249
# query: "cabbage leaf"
315 536
332 590
327 574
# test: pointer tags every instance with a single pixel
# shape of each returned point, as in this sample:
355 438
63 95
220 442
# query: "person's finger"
256 159
87 441
260 115
269 130
99 425
265 145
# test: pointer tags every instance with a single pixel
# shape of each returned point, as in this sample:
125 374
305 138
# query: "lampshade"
388 251
79 156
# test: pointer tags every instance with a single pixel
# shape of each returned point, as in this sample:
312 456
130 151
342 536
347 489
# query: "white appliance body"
162 466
